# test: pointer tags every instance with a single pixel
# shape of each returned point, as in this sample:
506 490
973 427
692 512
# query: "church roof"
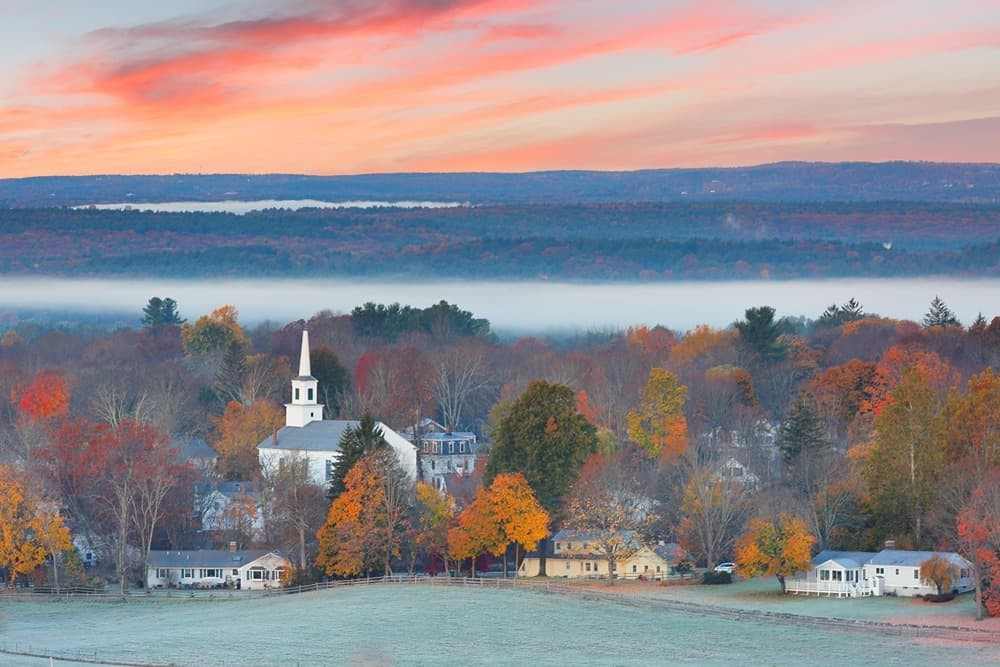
317 436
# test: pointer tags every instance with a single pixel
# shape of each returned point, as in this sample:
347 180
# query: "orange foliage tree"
780 549
238 432
939 571
978 525
972 430
436 513
657 424
507 513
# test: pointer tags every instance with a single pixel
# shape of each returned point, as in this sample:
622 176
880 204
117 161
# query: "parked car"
725 567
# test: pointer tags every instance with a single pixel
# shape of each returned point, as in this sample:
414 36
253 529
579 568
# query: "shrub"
717 578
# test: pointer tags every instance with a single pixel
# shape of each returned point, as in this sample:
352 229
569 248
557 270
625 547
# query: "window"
657 568
850 575
309 393
567 565
897 571
256 574
824 575
633 568
162 573
879 570
296 393
558 546
837 575
588 567
328 464
451 447
187 574
916 574
235 572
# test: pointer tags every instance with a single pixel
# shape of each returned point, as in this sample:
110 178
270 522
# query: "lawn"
422 625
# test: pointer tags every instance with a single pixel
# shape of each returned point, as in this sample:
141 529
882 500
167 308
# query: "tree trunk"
302 548
781 581
611 569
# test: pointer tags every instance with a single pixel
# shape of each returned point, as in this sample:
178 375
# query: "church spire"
305 407
304 366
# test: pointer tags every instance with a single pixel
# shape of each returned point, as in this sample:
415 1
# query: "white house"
864 573
307 435
254 570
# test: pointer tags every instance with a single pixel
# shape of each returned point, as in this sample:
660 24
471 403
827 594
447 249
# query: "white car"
725 567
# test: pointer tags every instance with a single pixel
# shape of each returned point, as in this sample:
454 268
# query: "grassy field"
430 625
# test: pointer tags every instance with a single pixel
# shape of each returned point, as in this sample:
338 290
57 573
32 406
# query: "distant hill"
785 181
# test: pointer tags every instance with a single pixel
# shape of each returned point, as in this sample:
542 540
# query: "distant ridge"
783 181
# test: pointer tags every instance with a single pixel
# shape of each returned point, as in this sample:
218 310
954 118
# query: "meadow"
423 625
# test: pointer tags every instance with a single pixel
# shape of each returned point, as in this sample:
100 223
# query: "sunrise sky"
352 86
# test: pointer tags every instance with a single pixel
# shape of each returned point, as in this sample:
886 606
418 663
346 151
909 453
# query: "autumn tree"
521 519
299 504
364 524
972 422
607 504
939 571
435 512
29 529
903 464
211 335
238 432
714 509
543 436
781 548
978 528
358 441
461 374
476 532
658 425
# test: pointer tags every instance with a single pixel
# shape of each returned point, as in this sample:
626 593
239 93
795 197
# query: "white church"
307 435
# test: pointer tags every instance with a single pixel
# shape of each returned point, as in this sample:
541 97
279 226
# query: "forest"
847 429
684 240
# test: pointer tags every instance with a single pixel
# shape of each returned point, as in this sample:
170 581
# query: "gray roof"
194 448
589 536
670 552
213 558
911 558
318 436
848 559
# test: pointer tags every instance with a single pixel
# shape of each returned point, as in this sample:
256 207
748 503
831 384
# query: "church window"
296 393
310 392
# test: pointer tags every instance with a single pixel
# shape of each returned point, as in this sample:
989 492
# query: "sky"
362 86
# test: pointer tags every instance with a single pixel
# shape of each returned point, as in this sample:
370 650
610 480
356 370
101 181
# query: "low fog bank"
514 307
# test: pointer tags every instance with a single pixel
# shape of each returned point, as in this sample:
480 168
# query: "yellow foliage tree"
477 531
238 432
212 334
348 545
658 424
780 549
939 571
520 517
436 512
30 529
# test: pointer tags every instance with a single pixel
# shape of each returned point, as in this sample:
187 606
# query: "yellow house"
578 555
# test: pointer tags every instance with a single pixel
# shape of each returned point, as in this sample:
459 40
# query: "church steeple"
304 407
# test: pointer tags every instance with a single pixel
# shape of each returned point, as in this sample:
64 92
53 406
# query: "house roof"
317 436
590 536
322 436
670 552
850 560
913 558
214 558
194 448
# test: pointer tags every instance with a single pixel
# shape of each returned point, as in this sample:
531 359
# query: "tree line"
859 428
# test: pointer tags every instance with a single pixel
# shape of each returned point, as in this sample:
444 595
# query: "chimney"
274 437
232 547
890 545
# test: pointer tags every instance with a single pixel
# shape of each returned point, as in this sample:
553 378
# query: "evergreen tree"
159 313
801 431
759 332
939 315
334 380
356 443
851 311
